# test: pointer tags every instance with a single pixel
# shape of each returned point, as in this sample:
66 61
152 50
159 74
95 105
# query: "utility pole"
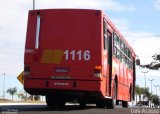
156 88
4 86
151 84
33 4
151 91
145 76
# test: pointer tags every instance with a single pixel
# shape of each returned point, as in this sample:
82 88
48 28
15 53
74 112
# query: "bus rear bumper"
43 86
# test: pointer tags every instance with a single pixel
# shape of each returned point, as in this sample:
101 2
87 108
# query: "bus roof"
118 32
98 12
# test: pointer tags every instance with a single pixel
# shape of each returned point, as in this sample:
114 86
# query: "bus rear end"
63 58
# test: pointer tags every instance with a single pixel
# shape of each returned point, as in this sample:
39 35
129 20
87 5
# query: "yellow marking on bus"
47 55
57 56
52 56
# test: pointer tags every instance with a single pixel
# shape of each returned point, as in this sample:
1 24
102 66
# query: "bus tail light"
98 71
26 70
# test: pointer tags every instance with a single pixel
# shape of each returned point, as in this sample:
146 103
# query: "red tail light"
97 71
26 70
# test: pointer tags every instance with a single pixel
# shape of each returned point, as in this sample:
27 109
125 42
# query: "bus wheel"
49 101
60 104
125 104
82 103
101 103
111 103
55 102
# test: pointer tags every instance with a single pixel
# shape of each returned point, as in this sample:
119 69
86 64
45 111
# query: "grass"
10 101
5 100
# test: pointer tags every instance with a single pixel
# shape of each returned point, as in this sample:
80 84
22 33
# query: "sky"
137 20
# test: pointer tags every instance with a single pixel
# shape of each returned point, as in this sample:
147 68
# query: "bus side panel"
120 91
120 83
123 85
30 37
31 30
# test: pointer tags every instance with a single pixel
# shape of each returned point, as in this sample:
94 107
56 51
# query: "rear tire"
101 103
125 104
82 103
111 103
60 104
55 102
49 101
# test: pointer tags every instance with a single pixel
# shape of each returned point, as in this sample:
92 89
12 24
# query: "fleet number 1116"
77 55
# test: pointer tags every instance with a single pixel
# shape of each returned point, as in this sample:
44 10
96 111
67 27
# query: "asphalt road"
72 109
69 109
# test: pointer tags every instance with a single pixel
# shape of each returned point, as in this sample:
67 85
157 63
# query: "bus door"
109 35
108 47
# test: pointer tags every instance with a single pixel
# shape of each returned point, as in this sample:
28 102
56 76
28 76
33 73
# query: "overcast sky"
137 20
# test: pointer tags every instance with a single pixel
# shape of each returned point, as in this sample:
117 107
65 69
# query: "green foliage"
155 100
138 91
155 64
12 91
146 94
21 96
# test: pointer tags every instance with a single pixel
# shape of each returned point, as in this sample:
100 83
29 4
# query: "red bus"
77 55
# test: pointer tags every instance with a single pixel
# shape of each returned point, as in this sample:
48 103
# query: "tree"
146 94
138 92
12 91
155 64
143 91
155 100
21 96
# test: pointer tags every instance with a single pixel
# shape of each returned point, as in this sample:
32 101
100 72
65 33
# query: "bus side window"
115 51
121 45
122 51
126 61
130 54
123 58
118 54
105 35
116 40
126 50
